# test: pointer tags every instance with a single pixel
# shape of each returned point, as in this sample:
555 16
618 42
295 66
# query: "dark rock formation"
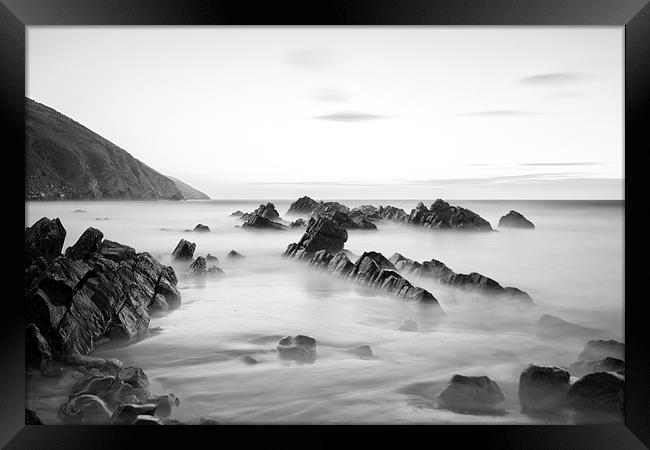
31 418
260 222
200 268
44 239
608 364
298 223
322 233
237 213
362 351
330 208
346 221
543 388
85 409
127 414
441 215
367 212
304 205
211 258
134 376
393 214
600 349
64 159
37 350
89 243
301 348
234 254
201 228
515 220
184 250
473 395
267 211
84 362
444 275
599 392
76 303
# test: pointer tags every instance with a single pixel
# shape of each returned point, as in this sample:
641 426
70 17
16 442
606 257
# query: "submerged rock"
211 258
515 220
88 244
362 351
261 222
146 420
237 213
302 348
249 359
599 392
555 325
110 366
304 205
543 388
201 228
441 215
408 325
234 254
473 395
600 349
184 250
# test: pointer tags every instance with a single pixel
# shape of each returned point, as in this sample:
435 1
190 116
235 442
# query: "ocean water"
571 265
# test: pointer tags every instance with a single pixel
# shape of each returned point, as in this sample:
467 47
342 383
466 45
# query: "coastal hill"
65 160
188 191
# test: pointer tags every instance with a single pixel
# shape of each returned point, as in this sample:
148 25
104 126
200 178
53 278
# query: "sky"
349 112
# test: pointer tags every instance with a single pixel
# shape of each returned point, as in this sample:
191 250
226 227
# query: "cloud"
556 79
501 113
499 179
315 59
561 164
350 116
330 94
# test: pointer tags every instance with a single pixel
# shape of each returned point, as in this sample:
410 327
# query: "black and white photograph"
271 225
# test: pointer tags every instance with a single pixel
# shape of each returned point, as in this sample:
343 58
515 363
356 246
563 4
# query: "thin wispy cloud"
498 179
350 116
501 113
556 79
561 164
314 59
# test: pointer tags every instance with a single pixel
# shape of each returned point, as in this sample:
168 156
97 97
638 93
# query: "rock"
79 211
164 404
31 418
234 255
101 385
368 212
344 220
515 220
392 214
208 421
52 369
199 266
302 348
146 420
85 410
340 265
249 359
44 239
215 270
260 222
117 252
110 366
126 414
554 325
158 305
237 213
201 228
362 351
599 392
304 205
267 211
37 350
543 388
408 325
298 223
184 250
134 376
441 215
88 244
473 395
599 349
326 208
322 233
211 258
607 364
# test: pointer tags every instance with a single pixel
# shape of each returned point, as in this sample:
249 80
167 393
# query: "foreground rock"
303 206
472 395
37 349
88 244
184 250
300 348
474 281
515 220
44 239
441 215
260 222
543 388
76 303
601 392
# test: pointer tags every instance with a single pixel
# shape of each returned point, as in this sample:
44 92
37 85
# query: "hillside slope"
188 191
64 159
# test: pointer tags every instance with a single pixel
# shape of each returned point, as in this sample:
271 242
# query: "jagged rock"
44 239
543 388
600 349
37 350
110 366
472 394
321 258
134 376
237 213
31 418
515 220
607 364
340 264
199 266
346 221
88 244
368 211
322 233
208 421
408 325
441 215
126 414
146 420
304 205
260 222
362 351
184 250
211 258
301 348
325 208
212 269
52 369
234 254
116 252
600 392
85 410
298 223
393 214
201 228
267 211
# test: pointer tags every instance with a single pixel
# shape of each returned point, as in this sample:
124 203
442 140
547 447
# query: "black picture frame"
634 15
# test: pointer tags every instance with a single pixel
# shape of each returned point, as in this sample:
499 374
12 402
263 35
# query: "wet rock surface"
543 388
260 222
601 392
300 348
515 220
470 394
441 215
184 250
88 244
44 239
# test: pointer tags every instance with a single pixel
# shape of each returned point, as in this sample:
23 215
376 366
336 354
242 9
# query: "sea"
571 265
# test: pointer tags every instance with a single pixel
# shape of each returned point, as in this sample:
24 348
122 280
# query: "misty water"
571 265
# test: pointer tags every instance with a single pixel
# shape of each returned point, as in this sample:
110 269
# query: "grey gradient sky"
354 112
